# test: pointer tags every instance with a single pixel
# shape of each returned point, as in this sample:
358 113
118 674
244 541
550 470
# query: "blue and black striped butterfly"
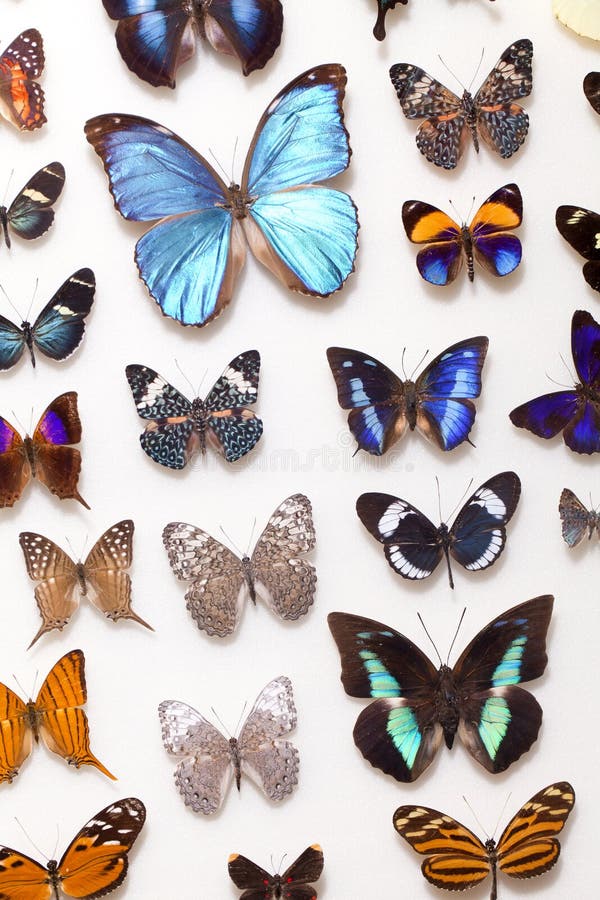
59 328
438 404
417 706
30 214
414 546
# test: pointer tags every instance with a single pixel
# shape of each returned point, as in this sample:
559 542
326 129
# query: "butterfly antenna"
220 721
465 492
35 681
477 69
281 863
37 281
235 146
11 303
468 219
201 382
452 73
18 421
420 363
558 383
566 365
430 638
476 817
460 621
20 686
194 393
57 841
12 172
460 217
31 420
71 547
241 716
251 536
219 164
437 481
47 858
235 547
501 814
402 363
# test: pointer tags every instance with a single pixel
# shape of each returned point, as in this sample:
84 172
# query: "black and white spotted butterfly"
210 760
414 546
220 581
59 328
492 114
576 519
179 427
30 214
293 884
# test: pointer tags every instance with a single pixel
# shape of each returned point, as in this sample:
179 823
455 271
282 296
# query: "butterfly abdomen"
471 116
411 403
80 569
249 576
236 761
33 720
30 453
446 705
467 242
4 225
199 421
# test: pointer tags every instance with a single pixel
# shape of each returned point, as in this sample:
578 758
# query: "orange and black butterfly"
486 240
457 859
21 97
55 716
46 456
60 581
94 863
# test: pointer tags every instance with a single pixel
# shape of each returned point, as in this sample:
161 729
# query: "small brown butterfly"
60 581
45 456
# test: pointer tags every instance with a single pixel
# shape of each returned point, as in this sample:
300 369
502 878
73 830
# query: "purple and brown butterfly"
21 97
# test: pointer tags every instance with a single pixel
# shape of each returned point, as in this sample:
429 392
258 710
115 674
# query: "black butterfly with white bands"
414 546
30 214
293 884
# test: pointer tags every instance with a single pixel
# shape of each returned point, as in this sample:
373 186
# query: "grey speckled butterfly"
577 521
210 760
220 581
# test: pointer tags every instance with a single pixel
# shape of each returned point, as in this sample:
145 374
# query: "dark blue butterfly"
59 328
414 546
155 37
417 706
30 214
576 412
303 233
439 403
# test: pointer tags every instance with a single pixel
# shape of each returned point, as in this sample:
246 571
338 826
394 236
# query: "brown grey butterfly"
102 577
220 581
210 760
577 521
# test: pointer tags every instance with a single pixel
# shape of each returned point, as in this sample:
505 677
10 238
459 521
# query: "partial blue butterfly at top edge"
304 233
576 412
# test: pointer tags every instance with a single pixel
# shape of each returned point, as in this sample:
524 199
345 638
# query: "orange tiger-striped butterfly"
54 716
457 859
94 863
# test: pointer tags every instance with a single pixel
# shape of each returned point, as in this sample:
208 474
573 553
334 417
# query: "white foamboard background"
341 802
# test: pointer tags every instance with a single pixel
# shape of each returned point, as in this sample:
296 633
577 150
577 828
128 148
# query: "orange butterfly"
94 863
457 859
102 577
55 716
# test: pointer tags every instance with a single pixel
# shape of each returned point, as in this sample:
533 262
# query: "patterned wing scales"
15 734
271 762
214 597
278 561
233 429
21 98
30 214
203 776
169 437
478 535
105 571
55 575
501 122
238 385
577 521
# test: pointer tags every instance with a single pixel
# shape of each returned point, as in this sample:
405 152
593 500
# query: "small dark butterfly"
46 456
414 546
417 706
180 427
58 330
492 114
21 97
581 229
294 884
577 520
575 412
591 89
484 240
457 859
155 37
30 214
438 404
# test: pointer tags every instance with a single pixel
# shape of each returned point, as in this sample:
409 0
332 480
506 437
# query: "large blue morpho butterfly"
155 37
58 330
414 546
438 404
575 412
304 233
417 706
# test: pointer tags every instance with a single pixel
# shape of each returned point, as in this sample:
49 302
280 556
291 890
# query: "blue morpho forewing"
304 233
416 706
486 240
155 37
575 412
438 404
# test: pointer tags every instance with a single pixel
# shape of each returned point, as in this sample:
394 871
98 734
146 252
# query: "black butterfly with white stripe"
414 546
30 214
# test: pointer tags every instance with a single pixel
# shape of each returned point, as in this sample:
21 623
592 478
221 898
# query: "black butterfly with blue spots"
58 330
417 706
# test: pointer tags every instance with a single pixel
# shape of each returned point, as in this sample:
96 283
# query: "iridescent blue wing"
233 429
12 343
585 346
494 249
59 328
169 437
383 7
189 260
478 535
440 262
248 29
30 214
445 390
373 394
500 721
306 237
547 415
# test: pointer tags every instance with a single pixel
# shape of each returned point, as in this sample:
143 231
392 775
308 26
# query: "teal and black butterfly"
30 214
417 706
58 330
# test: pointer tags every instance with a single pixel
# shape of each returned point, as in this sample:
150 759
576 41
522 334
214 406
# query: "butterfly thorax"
467 242
34 718
444 535
470 109
239 201
28 338
410 403
80 570
236 762
587 392
4 225
446 703
248 575
199 419
29 453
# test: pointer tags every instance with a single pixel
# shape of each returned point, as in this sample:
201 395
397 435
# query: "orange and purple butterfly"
21 97
94 863
55 716
487 240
